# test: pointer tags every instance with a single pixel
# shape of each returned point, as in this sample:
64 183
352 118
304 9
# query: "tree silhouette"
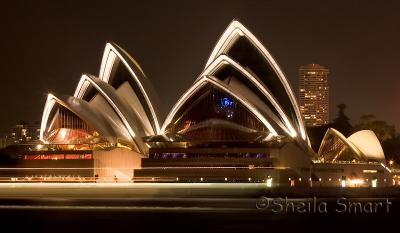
383 130
342 122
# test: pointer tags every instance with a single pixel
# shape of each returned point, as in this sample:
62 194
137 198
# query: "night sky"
46 46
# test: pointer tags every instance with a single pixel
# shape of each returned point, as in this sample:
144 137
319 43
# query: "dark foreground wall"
62 167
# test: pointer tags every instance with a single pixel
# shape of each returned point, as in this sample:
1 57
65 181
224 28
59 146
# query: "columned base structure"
115 165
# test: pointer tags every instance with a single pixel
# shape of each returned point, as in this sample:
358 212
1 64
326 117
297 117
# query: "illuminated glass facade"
213 115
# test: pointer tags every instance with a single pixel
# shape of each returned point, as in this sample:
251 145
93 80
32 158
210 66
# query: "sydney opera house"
238 122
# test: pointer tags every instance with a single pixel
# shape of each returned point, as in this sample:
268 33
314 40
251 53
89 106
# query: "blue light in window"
226 102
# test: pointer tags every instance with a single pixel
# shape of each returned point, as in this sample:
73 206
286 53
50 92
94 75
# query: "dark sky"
45 46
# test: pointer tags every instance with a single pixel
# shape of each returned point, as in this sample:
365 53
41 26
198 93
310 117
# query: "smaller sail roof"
362 145
367 142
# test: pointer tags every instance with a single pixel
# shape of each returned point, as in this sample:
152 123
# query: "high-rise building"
314 94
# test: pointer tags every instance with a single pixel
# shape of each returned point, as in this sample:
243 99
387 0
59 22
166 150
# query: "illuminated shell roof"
242 46
242 64
233 74
122 95
123 73
83 111
360 146
369 145
239 66
106 99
